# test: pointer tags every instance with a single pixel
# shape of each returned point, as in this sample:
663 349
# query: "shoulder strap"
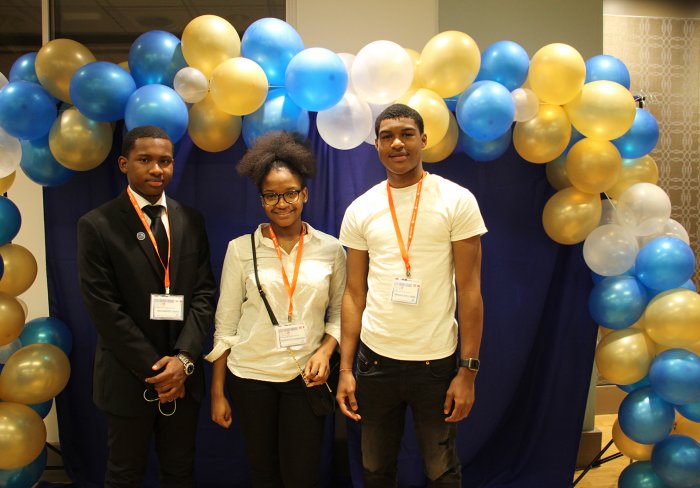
273 319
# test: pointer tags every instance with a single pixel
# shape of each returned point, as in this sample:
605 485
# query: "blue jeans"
385 387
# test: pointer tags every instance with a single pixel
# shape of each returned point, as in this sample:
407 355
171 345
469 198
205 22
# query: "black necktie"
154 212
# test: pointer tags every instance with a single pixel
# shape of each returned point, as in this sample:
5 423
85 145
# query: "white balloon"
376 110
672 228
526 104
191 84
382 72
3 81
608 215
346 124
644 208
347 60
10 153
610 250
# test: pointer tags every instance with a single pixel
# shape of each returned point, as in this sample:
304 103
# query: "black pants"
282 435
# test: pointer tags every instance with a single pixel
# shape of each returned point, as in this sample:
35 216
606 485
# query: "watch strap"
472 364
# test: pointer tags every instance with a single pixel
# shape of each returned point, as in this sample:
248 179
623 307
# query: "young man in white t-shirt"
414 257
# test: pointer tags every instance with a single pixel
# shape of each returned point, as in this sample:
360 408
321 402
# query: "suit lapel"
136 231
176 221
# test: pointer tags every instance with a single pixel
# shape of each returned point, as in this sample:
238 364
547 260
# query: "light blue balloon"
23 69
10 220
272 43
47 330
8 350
155 57
645 417
27 111
278 112
42 409
100 90
640 475
633 386
505 62
676 460
665 262
575 137
485 110
617 301
25 476
641 138
157 105
606 67
484 150
316 79
691 411
675 376
40 166
451 102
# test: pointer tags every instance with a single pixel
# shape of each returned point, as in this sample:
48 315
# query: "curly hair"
398 111
274 150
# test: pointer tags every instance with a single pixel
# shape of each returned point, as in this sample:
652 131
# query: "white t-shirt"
447 212
242 323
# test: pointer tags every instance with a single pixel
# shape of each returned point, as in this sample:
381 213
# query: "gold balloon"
687 427
20 269
79 143
593 166
602 110
570 215
628 447
446 146
624 356
543 138
208 41
12 317
640 170
211 129
56 63
34 374
238 86
556 173
125 65
6 182
22 435
672 318
416 83
433 109
449 63
557 73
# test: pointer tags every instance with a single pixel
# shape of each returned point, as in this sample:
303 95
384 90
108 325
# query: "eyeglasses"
271 199
150 395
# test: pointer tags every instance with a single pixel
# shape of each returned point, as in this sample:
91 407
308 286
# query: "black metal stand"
57 451
597 461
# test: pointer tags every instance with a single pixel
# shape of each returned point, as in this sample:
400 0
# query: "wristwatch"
186 363
472 364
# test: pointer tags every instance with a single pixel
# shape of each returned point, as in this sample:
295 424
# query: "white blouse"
242 322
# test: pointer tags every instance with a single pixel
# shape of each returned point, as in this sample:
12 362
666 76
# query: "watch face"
189 369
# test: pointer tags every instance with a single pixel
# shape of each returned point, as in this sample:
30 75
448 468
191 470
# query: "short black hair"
398 111
277 149
140 132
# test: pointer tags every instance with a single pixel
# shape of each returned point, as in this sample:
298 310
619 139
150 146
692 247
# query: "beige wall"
653 8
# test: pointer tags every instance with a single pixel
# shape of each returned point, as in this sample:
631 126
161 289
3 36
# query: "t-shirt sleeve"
467 220
351 233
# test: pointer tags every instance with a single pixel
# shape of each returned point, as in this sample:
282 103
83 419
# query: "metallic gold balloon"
556 173
624 356
416 83
56 63
672 318
543 138
593 166
570 215
6 182
628 447
208 41
125 65
210 128
687 427
557 73
34 374
20 269
446 146
12 317
449 63
433 109
22 435
602 110
79 143
640 170
238 86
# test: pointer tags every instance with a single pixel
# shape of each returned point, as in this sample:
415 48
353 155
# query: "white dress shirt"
142 202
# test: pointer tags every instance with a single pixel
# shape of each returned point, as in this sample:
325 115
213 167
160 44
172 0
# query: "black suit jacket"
118 273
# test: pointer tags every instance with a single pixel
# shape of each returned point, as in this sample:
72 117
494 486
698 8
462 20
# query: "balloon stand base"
597 461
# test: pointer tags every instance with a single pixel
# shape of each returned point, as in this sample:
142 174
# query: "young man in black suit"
146 279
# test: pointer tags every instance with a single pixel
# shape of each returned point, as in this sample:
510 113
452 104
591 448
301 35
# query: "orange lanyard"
139 212
411 227
297 264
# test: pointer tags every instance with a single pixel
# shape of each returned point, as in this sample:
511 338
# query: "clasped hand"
170 382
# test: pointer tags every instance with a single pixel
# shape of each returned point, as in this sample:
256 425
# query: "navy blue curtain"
538 342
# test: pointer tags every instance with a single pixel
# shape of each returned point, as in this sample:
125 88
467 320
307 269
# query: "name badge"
167 307
290 335
405 290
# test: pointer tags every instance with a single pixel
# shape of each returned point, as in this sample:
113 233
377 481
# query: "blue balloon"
26 475
23 69
40 166
485 110
316 79
484 150
452 102
605 67
155 57
7 350
157 105
665 262
641 138
27 111
645 417
575 137
688 285
278 112
47 330
675 376
633 386
676 460
10 220
617 301
42 409
272 43
691 411
640 475
505 62
100 90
